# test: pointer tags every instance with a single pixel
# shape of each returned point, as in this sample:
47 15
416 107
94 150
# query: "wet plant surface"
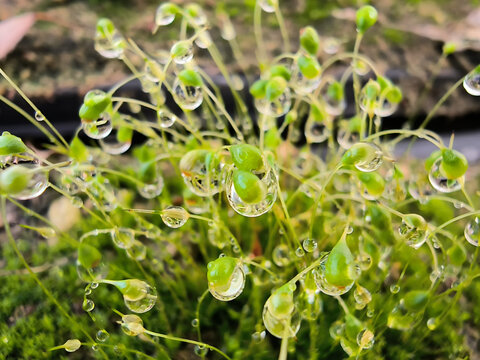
282 224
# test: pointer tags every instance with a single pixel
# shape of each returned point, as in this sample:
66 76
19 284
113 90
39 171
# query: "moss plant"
222 234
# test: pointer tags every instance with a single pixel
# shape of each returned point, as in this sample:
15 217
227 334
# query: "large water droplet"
88 305
472 231
102 335
268 5
39 116
362 297
187 97
123 237
471 83
72 345
322 283
98 129
132 325
276 108
165 118
164 15
174 216
440 182
234 287
281 255
200 350
365 339
111 46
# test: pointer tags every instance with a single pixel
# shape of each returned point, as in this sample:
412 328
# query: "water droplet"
201 180
364 261
440 182
310 245
299 252
123 237
281 255
372 159
164 16
88 305
394 288
458 205
94 285
95 347
365 339
316 131
111 46
472 231
138 296
301 84
276 108
102 335
433 323
471 83
362 297
200 350
132 325
413 230
36 184
187 97
98 129
370 313
88 290
174 216
253 209
268 5
336 329
182 52
361 67
117 142
327 288
281 327
72 345
349 230
137 251
165 118
195 322
204 40
233 288
39 116
258 336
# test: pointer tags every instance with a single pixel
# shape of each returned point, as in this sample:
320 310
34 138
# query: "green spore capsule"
14 179
132 325
246 157
138 296
275 87
454 164
280 70
190 78
248 186
373 182
94 104
338 268
309 66
11 144
105 27
309 40
281 303
366 17
72 345
258 89
366 157
226 278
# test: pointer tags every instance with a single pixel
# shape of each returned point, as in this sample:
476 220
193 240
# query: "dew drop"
471 83
88 305
362 297
440 182
394 289
174 216
39 116
95 347
299 252
187 97
102 335
258 336
365 339
268 5
336 329
195 322
472 231
432 323
200 350
72 345
124 238
94 285
281 255
132 325
310 245
165 118
163 15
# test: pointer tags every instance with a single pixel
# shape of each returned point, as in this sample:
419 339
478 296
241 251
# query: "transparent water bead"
182 52
151 189
137 251
334 102
200 350
365 339
153 73
346 138
36 185
281 255
102 335
199 179
117 142
132 325
301 84
111 46
362 297
372 161
311 306
413 230
385 108
164 16
432 323
187 97
276 108
39 116
337 329
401 319
98 129
471 83
440 182
96 273
253 209
258 336
394 288
233 288
165 118
138 296
268 5
420 189
316 131
88 305
281 327
322 283
472 231
310 245
123 237
174 216
72 345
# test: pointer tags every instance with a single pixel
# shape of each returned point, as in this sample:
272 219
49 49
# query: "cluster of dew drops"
205 182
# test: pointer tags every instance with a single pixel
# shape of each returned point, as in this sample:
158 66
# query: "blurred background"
48 49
